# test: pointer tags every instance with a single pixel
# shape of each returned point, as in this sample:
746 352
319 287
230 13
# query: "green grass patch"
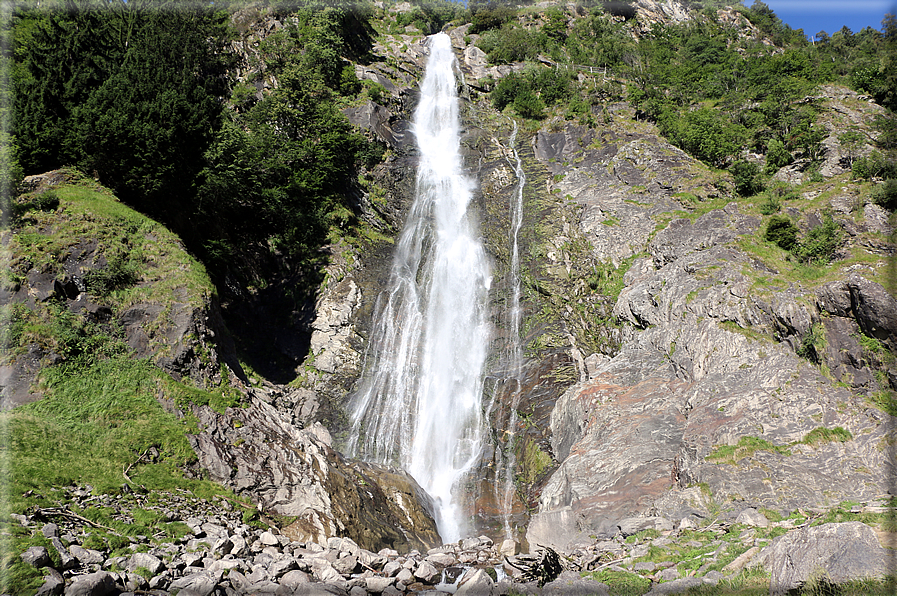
885 400
94 421
621 583
748 332
822 436
145 261
750 582
746 447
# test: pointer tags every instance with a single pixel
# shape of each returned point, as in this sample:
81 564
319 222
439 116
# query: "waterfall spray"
419 404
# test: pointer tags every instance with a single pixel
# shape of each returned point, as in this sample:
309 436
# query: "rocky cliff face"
709 359
716 366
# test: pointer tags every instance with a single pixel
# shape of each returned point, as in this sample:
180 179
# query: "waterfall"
419 402
506 462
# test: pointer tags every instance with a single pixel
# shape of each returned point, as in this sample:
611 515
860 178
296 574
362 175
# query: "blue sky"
830 15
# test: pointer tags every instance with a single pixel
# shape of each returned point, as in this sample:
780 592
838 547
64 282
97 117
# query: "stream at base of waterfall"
419 404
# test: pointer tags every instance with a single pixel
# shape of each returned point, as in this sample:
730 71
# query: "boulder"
195 584
475 582
752 517
294 473
53 585
38 556
836 553
94 584
147 561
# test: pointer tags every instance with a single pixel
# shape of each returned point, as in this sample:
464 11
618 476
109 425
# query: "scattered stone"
752 517
38 556
195 584
99 583
475 582
427 573
53 585
668 574
508 548
269 539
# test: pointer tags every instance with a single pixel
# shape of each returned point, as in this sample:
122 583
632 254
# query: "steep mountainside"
707 275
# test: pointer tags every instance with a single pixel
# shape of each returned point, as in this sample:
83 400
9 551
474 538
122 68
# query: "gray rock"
239 548
752 517
475 582
427 573
405 576
282 566
508 548
836 552
196 584
147 561
269 539
441 559
391 568
92 584
292 579
86 556
38 556
66 559
53 585
222 546
50 531
376 584
295 473
668 574
328 575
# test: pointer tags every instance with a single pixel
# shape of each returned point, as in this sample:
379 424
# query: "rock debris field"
221 555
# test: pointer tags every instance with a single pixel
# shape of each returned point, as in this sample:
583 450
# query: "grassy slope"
101 408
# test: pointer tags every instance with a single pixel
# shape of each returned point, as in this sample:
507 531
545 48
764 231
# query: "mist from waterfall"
419 404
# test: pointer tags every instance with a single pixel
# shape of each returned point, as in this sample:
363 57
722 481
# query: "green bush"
885 194
770 205
747 178
512 44
529 105
781 231
491 16
777 156
874 165
120 272
820 243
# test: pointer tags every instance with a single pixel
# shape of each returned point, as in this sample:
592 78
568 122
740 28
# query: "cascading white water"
507 461
419 404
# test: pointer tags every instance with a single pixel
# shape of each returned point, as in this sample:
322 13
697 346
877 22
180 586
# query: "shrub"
874 165
492 16
770 205
812 344
747 178
529 105
820 243
375 91
885 194
119 272
781 231
777 156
